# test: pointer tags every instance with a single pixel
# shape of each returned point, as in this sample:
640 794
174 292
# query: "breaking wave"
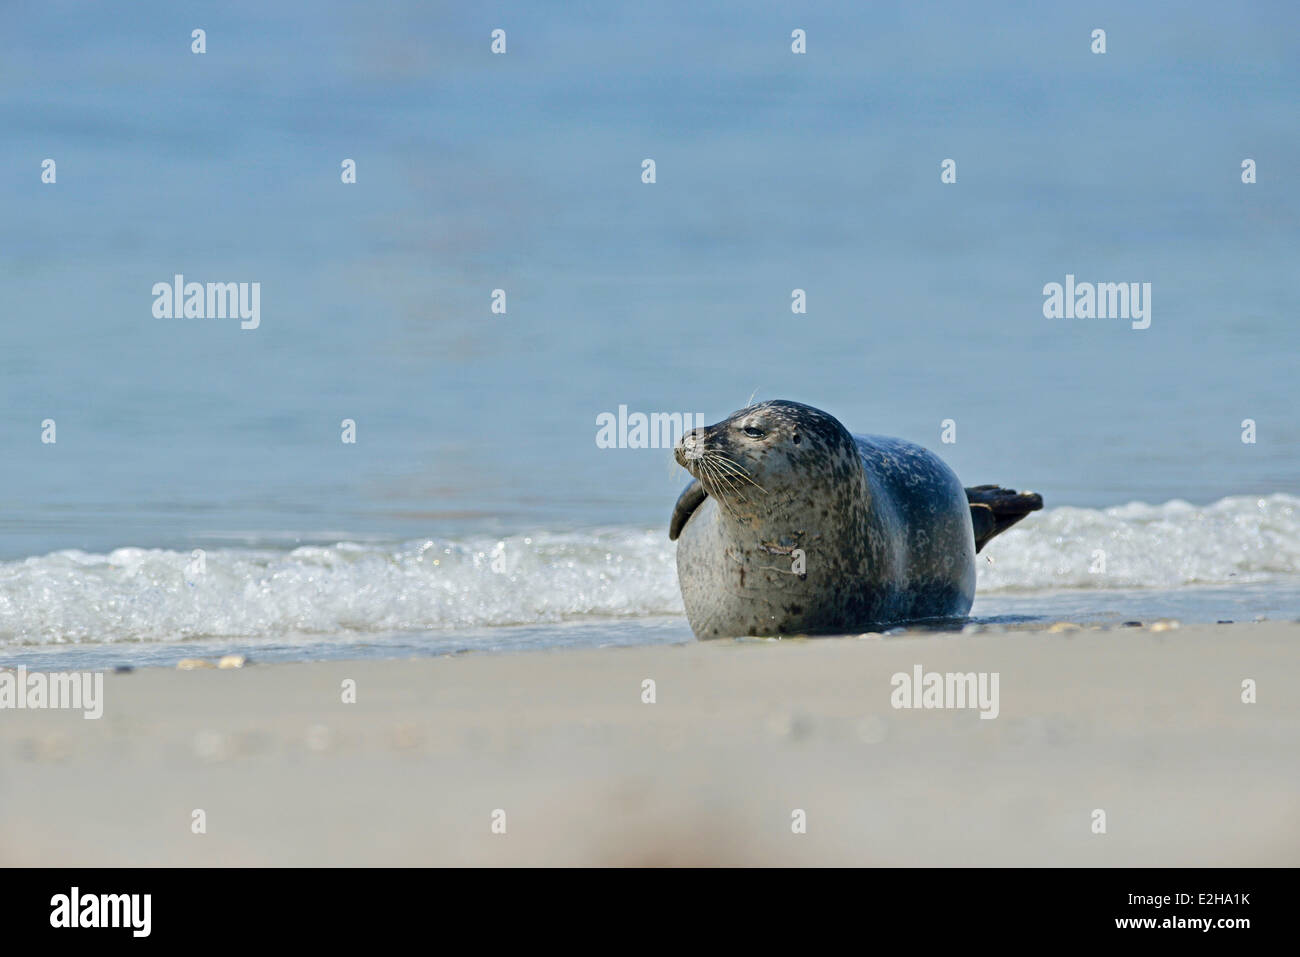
158 595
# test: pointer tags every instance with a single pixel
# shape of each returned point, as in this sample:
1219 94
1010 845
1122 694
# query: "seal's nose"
690 447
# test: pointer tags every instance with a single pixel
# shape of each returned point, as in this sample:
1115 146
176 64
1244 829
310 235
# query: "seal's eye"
753 432
796 438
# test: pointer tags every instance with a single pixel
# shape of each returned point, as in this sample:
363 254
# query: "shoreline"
1145 724
1120 610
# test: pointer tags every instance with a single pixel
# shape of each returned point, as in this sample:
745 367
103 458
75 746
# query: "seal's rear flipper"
985 525
687 503
993 510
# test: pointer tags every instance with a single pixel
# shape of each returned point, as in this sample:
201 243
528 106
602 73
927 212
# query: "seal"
792 525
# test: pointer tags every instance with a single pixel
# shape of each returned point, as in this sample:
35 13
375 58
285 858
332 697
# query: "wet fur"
884 525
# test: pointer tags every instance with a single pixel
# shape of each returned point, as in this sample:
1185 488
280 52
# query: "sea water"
476 508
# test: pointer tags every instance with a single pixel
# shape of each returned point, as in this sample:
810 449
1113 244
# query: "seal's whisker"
724 457
705 477
725 504
738 472
714 475
727 478
719 458
713 487
736 469
731 487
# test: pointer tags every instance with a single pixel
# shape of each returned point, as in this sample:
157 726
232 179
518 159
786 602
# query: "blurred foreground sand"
1149 727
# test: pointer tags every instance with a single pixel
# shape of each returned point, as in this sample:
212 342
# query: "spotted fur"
883 528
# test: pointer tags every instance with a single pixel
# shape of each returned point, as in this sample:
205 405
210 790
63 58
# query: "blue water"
523 172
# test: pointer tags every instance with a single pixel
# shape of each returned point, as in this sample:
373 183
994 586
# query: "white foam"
1236 540
148 595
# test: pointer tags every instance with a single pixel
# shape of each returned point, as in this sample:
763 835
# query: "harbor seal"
794 526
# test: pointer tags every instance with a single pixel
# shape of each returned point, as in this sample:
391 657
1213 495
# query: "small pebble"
193 664
123 670
1225 621
1132 624
1061 626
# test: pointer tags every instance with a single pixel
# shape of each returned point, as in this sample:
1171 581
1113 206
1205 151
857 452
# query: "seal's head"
761 455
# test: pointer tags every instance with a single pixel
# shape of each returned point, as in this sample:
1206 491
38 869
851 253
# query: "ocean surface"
198 498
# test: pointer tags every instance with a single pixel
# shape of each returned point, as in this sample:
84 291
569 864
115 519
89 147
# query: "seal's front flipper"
690 499
993 510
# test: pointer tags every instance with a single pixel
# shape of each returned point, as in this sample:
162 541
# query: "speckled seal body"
795 526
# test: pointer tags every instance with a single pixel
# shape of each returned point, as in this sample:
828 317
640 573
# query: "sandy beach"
1146 725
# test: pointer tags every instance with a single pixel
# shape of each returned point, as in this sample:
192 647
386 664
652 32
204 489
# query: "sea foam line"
134 594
